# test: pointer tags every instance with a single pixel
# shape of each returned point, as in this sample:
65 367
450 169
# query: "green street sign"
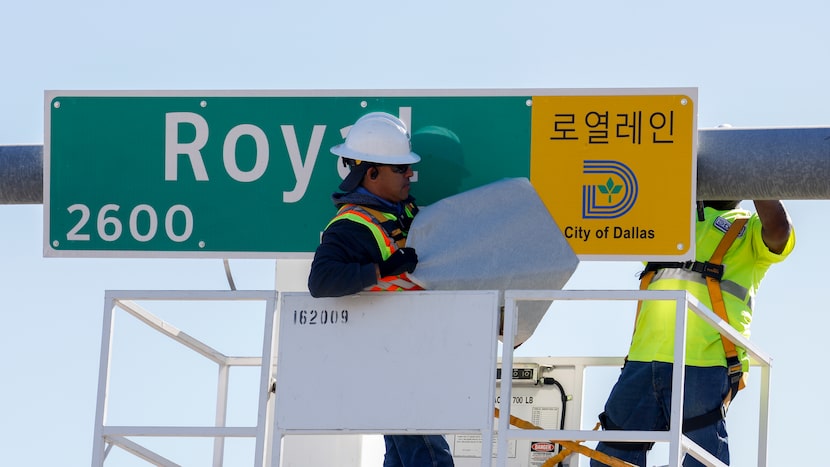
249 174
246 174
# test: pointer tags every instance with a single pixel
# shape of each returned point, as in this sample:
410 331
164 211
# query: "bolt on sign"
229 174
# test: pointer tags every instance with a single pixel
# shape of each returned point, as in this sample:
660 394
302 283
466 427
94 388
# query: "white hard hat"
378 137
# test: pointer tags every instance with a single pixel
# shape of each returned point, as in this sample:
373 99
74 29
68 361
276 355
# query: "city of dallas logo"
612 198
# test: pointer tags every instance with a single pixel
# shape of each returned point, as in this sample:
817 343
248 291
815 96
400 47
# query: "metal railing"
678 443
109 436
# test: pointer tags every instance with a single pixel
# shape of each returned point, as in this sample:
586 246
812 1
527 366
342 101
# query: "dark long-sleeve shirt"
345 262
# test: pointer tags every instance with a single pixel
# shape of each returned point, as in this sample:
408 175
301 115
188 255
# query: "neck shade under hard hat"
357 169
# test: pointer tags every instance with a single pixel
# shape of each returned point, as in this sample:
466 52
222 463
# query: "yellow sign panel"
618 172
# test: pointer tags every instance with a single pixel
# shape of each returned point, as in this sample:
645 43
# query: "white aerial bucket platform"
336 373
326 391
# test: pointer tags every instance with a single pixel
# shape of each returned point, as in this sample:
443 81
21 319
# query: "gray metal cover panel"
499 236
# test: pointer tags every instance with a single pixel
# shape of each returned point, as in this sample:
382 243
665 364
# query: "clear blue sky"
755 64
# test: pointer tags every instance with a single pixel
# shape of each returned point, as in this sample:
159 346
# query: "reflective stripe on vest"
732 288
386 246
394 284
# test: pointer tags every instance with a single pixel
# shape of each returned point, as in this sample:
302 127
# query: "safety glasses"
399 168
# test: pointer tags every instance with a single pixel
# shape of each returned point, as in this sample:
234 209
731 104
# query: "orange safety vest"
389 237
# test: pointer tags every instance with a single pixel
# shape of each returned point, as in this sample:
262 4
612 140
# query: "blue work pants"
641 400
417 451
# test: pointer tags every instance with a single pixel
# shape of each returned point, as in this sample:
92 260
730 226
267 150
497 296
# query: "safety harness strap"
394 227
391 227
733 363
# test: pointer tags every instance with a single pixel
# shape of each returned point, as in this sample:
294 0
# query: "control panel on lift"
543 394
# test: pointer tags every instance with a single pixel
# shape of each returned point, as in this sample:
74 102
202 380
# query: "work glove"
402 260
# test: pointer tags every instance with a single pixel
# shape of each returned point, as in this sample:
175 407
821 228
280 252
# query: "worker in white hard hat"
363 248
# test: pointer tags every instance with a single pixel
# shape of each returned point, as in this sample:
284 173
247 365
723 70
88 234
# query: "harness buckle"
705 269
734 368
714 271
